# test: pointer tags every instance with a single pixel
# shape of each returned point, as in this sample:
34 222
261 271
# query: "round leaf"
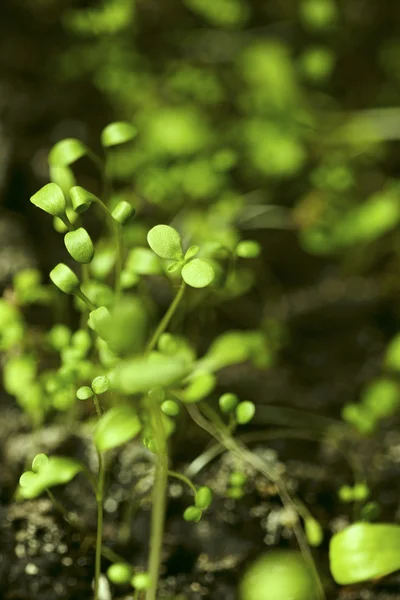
118 133
50 199
79 245
66 152
364 551
166 242
116 427
198 273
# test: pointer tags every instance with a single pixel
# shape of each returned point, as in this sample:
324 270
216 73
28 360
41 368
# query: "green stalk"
100 509
159 497
159 500
166 319
99 538
117 233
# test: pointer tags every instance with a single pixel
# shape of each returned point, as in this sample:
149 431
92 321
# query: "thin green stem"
159 500
99 537
86 300
116 231
97 406
166 319
184 479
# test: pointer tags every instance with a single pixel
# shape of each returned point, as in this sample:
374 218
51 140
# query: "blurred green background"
270 120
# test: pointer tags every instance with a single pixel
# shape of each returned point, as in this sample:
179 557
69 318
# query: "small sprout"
120 573
237 479
198 273
166 242
81 199
141 581
360 492
57 470
66 152
123 212
39 461
228 402
245 412
192 513
157 395
170 408
65 279
314 532
118 133
79 245
100 385
50 199
248 249
346 493
118 426
204 498
59 336
191 252
84 393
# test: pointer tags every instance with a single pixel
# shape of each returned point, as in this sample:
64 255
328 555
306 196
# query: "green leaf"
58 470
248 249
245 412
204 497
392 356
314 532
198 273
118 133
381 398
228 402
116 427
19 372
120 573
278 575
364 551
235 347
191 252
81 198
50 199
201 386
65 279
79 245
166 242
66 152
142 374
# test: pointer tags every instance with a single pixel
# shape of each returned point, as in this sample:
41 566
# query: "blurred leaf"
118 426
